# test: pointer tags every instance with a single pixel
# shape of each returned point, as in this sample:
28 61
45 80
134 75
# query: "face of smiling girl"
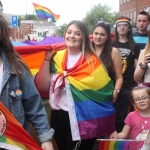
73 39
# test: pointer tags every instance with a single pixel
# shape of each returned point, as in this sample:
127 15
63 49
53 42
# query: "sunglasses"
103 22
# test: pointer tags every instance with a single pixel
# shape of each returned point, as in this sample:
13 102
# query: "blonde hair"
147 48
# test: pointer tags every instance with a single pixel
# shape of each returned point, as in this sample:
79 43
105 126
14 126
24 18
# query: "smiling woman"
80 91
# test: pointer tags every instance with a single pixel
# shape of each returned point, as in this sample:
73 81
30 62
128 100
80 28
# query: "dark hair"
129 37
145 14
105 56
137 89
15 62
28 37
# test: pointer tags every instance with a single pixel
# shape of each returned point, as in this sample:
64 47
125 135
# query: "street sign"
26 28
14 21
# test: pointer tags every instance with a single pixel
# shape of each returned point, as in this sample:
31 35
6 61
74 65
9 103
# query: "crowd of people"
94 85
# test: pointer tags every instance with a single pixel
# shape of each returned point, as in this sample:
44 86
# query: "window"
120 2
34 30
39 34
128 15
134 17
131 16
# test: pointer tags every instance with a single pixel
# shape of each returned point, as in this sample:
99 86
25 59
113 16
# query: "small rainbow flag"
12 134
43 12
114 144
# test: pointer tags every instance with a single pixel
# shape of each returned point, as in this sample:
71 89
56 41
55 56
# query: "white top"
147 74
1 76
57 99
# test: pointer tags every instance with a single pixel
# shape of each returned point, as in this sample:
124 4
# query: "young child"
137 123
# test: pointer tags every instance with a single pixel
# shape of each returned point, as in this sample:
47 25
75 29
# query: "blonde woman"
142 72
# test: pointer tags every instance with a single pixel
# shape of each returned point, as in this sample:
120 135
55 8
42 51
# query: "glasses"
122 25
144 99
106 23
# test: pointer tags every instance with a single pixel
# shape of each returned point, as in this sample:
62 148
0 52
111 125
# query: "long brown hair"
129 36
15 62
105 56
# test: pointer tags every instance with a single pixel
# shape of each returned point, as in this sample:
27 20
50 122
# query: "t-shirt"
60 95
141 39
140 129
128 63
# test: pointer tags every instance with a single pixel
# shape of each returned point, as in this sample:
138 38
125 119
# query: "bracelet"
46 59
117 90
143 67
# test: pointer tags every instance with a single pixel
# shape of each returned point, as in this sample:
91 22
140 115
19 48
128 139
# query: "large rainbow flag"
43 12
12 134
89 95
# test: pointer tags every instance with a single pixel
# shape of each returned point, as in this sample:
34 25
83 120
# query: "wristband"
143 67
46 59
117 90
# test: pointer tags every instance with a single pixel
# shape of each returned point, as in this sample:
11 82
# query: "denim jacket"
26 107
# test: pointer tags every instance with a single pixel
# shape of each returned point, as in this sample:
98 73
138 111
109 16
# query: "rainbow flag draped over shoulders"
12 134
43 12
88 94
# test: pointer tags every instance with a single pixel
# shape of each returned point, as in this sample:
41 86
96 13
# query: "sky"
67 9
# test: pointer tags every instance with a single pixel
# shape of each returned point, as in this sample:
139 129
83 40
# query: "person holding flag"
80 91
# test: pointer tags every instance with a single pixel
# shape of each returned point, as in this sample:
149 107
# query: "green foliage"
28 17
97 13
61 30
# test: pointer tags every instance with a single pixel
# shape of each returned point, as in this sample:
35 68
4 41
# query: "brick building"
130 8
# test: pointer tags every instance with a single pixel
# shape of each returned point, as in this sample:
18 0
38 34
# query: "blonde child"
137 123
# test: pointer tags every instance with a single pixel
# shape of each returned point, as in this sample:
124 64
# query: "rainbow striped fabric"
88 94
43 12
12 134
114 145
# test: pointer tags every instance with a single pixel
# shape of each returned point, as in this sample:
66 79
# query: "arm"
139 72
47 146
125 132
35 112
42 79
117 64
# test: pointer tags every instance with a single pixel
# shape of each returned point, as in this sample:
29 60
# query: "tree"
62 29
97 13
28 17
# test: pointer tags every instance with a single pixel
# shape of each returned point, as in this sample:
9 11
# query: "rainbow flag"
12 134
88 94
114 144
43 12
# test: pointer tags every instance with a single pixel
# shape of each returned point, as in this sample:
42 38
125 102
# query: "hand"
146 59
114 135
48 55
47 145
115 94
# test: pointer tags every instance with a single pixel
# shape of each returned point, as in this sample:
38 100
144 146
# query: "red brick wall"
18 36
131 6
